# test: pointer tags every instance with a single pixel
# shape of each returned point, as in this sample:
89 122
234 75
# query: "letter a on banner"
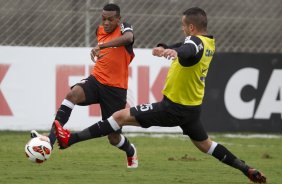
271 102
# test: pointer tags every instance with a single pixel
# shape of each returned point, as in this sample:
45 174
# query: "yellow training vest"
186 85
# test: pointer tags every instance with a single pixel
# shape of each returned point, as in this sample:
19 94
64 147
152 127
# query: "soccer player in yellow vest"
183 95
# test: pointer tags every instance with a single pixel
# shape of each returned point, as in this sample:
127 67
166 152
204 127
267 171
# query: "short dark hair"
196 16
112 7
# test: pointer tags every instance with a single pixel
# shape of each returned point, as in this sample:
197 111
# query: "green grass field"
163 160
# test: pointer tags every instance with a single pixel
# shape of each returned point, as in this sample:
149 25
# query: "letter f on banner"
4 107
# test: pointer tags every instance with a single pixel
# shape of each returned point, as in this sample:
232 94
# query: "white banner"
34 81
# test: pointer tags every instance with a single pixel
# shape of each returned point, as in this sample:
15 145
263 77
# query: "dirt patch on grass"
184 158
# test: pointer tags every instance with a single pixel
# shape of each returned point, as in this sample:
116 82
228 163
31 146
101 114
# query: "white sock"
122 140
214 144
68 103
113 123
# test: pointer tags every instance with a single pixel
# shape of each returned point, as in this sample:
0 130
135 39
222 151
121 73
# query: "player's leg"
199 137
146 115
111 100
224 155
155 114
82 93
99 129
221 153
75 96
122 142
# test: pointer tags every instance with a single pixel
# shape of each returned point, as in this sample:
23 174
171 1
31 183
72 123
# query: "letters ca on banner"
246 90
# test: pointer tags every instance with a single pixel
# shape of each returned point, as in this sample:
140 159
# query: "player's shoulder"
193 39
99 29
125 26
195 42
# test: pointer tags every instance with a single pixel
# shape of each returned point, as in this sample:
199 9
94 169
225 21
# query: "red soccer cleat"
63 135
132 162
256 176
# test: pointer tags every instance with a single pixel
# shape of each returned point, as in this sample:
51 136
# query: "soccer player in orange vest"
107 85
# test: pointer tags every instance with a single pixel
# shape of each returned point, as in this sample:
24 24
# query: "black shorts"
111 99
169 114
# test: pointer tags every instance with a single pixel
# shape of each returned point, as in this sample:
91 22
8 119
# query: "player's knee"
120 117
203 146
76 95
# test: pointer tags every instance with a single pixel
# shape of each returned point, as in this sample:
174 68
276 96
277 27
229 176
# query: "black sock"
222 154
52 137
240 164
100 129
225 156
127 148
62 116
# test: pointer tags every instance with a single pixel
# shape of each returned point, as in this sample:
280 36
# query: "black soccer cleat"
255 176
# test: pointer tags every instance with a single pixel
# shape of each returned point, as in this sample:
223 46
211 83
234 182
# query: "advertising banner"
243 91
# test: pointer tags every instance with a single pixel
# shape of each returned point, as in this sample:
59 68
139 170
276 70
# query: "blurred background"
252 26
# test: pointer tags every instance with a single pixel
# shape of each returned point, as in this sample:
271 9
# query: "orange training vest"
111 67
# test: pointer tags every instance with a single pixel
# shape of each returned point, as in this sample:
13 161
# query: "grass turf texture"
161 161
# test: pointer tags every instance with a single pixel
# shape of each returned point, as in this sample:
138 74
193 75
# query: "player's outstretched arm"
158 51
125 39
95 53
170 54
162 52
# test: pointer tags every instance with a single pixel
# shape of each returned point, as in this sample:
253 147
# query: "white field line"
179 135
251 136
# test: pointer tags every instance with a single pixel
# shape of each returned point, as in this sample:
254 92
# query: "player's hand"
170 54
95 53
158 51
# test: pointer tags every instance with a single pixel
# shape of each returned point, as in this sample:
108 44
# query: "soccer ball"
38 150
